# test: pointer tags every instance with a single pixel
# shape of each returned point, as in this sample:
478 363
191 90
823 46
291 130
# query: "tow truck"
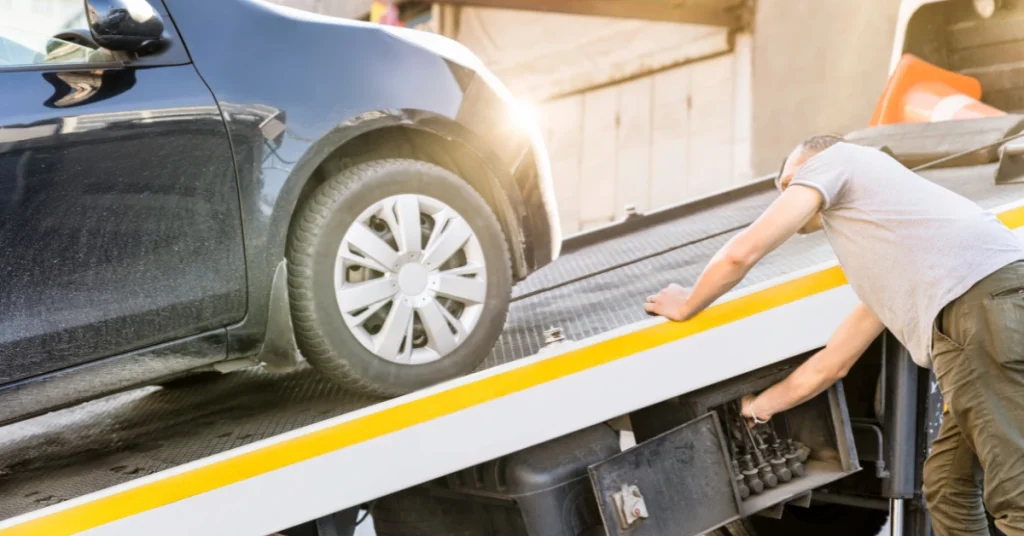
588 417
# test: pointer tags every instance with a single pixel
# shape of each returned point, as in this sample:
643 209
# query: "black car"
195 186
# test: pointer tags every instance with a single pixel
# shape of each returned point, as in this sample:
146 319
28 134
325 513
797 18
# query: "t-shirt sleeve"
826 173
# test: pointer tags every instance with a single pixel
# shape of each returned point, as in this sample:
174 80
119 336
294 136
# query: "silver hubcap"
410 279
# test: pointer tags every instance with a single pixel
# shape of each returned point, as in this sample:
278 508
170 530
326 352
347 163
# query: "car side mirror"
124 25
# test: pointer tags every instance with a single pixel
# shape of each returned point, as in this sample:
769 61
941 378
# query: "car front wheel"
399 277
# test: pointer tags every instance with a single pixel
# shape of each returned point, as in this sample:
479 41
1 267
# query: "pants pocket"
1004 327
1016 291
946 324
945 353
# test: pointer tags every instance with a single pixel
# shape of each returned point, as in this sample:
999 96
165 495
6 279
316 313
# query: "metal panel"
681 476
900 420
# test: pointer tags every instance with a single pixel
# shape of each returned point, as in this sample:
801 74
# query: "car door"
120 225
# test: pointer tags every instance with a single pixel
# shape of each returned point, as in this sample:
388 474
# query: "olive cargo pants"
978 358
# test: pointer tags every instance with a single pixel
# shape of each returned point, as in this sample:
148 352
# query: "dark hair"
817 144
813 145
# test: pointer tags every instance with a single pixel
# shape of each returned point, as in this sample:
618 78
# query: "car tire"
324 249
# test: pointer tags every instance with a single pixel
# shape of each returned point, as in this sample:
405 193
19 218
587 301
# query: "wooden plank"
633 172
598 164
563 132
743 112
711 126
669 131
659 10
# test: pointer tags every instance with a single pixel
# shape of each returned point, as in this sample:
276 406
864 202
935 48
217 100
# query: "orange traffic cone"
919 92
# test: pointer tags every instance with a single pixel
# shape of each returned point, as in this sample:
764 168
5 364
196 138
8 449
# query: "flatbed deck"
614 299
146 445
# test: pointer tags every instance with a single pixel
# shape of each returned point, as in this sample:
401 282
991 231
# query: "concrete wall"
543 55
809 66
619 135
819 67
654 141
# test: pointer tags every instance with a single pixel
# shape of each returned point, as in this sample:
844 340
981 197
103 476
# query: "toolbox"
714 468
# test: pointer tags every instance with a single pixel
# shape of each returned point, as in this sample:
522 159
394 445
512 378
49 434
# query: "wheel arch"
436 140
382 134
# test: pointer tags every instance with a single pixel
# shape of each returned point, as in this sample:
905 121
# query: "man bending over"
935 269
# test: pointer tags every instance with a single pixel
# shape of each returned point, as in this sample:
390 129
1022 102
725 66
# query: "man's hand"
669 303
821 370
747 410
789 213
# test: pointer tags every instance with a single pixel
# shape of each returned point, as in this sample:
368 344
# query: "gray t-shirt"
908 246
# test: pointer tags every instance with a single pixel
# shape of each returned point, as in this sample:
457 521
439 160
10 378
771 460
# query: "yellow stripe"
181 486
1013 218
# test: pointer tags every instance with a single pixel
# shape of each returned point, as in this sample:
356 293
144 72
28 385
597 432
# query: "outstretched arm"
823 369
788 214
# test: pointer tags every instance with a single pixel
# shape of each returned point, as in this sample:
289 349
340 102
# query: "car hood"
458 53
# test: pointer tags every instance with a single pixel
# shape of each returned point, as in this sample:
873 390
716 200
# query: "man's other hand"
747 410
669 303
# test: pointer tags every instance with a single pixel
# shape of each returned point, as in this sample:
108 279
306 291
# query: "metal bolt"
767 476
553 335
636 512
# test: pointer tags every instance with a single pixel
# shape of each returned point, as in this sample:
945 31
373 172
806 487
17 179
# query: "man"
943 275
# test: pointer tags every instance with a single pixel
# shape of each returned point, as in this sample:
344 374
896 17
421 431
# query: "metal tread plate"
614 299
87 448
110 441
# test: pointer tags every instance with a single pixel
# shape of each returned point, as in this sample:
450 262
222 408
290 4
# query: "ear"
778 178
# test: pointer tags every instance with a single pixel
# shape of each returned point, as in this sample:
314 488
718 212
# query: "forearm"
784 217
806 382
824 368
721 275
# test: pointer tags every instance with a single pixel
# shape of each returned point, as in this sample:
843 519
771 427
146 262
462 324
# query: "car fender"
294 86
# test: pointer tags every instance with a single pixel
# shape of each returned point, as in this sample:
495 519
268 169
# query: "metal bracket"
803 501
553 335
773 512
870 446
630 505
1011 162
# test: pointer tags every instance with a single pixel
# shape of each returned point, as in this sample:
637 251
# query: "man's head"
796 159
801 154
